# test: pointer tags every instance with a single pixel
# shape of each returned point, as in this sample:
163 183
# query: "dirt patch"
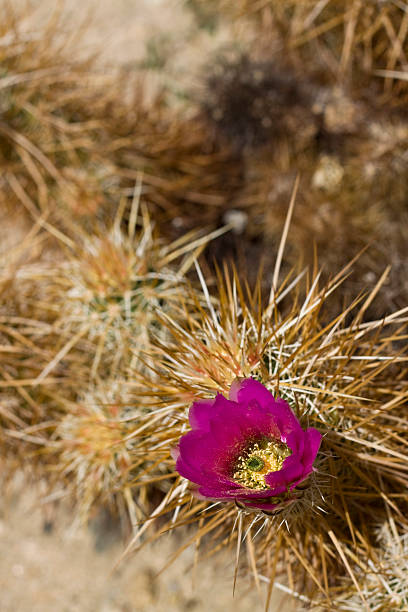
46 566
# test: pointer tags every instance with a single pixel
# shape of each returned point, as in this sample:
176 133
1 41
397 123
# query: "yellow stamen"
258 460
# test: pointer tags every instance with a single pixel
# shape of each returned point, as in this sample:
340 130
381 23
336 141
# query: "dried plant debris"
74 138
44 143
359 43
253 103
347 155
344 205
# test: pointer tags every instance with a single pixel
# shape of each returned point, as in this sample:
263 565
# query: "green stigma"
261 458
255 464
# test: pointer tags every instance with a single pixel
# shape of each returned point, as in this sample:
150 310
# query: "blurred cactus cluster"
246 220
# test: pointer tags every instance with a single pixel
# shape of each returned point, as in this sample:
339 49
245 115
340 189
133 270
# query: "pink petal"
200 414
292 468
249 389
285 418
313 440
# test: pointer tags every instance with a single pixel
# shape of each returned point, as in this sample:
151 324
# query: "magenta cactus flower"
249 448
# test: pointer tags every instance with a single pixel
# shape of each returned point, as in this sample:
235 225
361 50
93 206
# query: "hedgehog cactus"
311 509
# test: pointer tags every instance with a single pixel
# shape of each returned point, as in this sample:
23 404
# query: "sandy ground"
160 36
47 566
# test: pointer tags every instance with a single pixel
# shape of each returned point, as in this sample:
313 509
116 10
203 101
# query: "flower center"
261 458
255 464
